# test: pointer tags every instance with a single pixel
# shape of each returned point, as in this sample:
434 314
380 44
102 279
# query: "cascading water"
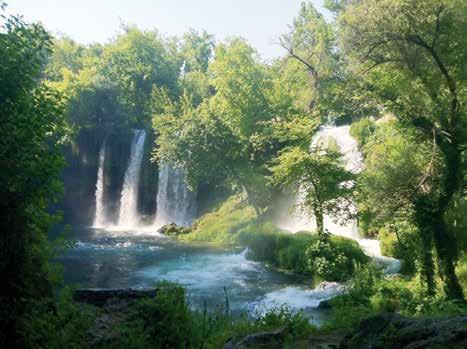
353 160
99 218
175 202
128 216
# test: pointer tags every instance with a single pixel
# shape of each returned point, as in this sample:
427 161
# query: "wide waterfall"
128 216
99 218
175 202
297 220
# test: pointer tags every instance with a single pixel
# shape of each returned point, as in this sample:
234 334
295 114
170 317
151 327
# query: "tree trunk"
318 212
445 242
446 249
423 217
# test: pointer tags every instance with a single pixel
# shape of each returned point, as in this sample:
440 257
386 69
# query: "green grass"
219 227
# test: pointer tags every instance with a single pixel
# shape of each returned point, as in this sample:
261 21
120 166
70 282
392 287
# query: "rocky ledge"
378 332
395 331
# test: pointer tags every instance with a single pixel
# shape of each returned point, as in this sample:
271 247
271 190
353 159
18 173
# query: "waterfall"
175 202
99 217
353 160
128 216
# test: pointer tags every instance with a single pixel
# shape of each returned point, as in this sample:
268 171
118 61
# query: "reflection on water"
104 259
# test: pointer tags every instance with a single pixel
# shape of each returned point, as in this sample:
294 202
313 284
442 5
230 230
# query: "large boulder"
394 331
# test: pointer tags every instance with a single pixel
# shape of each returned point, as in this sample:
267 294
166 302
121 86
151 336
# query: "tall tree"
31 124
139 62
411 53
310 42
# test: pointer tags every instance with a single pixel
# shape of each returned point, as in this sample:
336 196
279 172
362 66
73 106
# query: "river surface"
139 259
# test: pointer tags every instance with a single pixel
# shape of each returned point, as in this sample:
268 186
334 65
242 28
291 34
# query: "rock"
270 340
173 230
394 331
101 297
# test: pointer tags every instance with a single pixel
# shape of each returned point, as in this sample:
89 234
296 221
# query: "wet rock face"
80 175
394 331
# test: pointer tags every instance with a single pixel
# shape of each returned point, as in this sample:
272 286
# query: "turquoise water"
138 259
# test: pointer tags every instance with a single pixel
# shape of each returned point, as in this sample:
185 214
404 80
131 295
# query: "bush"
167 320
333 258
330 258
267 243
57 324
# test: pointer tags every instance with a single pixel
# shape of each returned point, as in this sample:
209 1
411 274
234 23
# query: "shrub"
269 244
331 258
334 258
166 319
57 324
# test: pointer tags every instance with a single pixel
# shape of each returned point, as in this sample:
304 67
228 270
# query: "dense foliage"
32 128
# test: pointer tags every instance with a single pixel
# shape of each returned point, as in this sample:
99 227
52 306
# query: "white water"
298 298
128 216
99 218
293 219
175 202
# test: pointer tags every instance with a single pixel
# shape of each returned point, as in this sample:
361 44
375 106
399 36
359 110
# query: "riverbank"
161 318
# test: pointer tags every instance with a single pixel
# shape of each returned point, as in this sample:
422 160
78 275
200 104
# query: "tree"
32 128
196 51
310 42
319 177
139 62
411 53
396 164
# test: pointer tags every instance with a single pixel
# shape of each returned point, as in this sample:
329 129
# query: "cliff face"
148 181
80 175
79 178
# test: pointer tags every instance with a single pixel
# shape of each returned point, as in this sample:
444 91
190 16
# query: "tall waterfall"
353 160
99 218
128 216
175 202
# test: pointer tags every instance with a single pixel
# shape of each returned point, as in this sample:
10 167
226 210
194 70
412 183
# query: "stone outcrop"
385 331
394 331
